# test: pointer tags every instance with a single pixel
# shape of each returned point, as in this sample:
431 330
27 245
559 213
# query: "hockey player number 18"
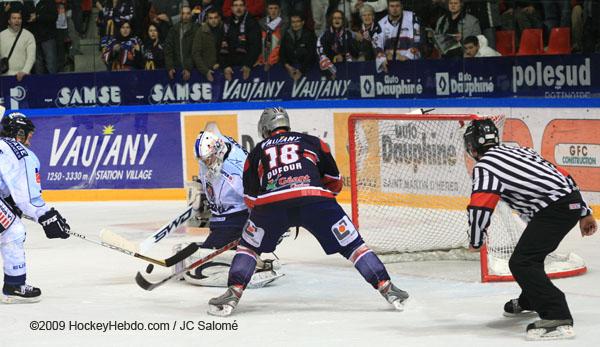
287 154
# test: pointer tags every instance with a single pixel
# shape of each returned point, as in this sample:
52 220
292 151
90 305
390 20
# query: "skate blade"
9 299
399 305
560 333
522 314
220 311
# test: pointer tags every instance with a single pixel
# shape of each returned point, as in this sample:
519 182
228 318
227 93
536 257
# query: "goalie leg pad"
216 272
212 274
216 275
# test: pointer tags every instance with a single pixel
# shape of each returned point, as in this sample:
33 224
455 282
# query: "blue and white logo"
442 83
367 86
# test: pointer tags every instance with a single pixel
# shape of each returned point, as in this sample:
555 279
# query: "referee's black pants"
541 237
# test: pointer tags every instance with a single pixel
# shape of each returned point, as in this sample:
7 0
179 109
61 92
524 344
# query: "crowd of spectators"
234 36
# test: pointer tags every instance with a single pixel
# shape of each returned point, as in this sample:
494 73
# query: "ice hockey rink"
322 300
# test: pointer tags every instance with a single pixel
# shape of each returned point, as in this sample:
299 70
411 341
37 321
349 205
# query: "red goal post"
397 161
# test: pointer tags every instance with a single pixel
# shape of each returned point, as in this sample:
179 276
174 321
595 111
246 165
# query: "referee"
548 199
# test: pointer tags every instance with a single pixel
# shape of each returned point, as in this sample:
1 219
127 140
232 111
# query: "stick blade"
117 240
143 282
182 254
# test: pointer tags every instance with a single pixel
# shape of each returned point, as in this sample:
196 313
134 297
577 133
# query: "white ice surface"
322 300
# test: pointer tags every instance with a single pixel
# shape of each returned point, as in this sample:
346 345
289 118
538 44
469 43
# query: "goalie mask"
480 136
210 149
17 126
272 119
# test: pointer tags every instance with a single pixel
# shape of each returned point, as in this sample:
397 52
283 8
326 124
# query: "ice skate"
513 309
550 329
20 294
393 295
225 304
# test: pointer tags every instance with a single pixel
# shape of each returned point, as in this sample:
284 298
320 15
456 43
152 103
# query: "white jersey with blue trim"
225 191
20 177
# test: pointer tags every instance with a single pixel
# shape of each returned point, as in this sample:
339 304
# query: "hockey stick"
147 285
119 241
168 262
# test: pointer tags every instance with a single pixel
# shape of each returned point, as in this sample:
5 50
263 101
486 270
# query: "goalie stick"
114 239
168 262
147 285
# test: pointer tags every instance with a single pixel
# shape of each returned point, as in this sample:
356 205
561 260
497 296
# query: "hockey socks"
242 267
369 265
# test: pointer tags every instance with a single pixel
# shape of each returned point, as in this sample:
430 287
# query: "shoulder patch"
18 149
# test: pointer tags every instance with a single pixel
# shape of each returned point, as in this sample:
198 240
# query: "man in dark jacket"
241 41
298 48
204 51
178 46
43 26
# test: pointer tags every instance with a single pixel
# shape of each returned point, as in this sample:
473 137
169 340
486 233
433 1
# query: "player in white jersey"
400 36
221 160
20 195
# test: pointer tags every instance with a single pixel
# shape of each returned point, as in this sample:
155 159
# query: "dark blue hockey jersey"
290 165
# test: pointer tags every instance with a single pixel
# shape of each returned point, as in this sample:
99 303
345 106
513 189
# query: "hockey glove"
55 226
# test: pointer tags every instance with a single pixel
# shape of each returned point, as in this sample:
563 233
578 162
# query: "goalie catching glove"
55 226
197 199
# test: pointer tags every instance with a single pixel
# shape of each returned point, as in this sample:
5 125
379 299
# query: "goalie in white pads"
20 194
219 205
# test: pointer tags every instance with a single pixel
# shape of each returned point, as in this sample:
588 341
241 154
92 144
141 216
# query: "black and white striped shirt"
520 177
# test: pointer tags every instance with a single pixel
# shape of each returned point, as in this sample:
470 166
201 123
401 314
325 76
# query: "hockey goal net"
410 185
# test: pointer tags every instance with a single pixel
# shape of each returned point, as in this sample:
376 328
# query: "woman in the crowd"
152 49
123 52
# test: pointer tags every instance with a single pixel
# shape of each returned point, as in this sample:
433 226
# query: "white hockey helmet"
210 149
273 118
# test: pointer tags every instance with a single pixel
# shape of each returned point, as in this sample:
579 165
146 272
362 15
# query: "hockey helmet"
17 126
210 149
271 119
481 134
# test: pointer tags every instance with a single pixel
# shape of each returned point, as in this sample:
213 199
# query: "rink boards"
143 153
